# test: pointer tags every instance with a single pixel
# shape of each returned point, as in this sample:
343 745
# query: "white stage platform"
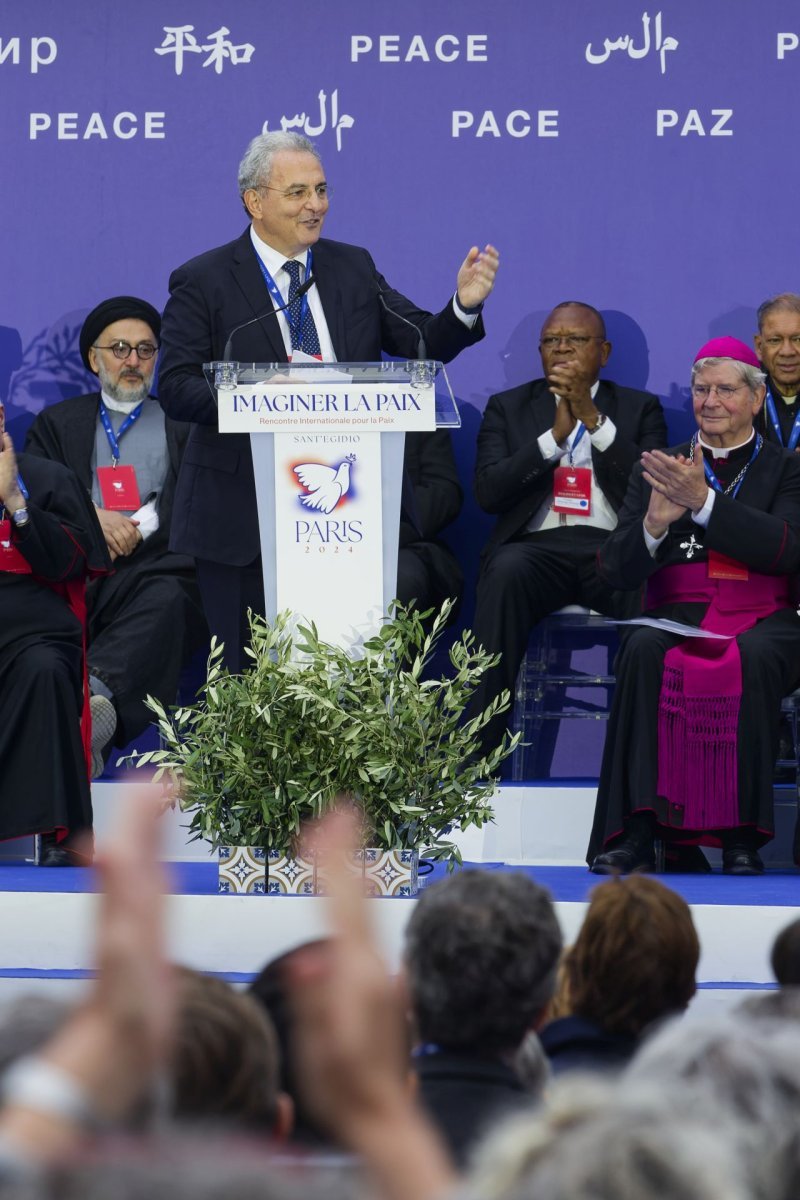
46 939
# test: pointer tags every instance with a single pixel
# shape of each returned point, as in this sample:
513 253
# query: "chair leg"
660 849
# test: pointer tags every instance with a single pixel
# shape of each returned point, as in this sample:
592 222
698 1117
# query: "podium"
328 443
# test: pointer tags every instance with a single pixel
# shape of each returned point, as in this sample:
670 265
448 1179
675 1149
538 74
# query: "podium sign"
329 531
328 443
319 406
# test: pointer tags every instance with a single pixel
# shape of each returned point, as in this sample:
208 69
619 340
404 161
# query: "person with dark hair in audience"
785 957
480 956
145 620
553 462
632 965
50 545
712 528
270 990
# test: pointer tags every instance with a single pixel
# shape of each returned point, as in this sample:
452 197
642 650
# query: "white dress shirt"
602 514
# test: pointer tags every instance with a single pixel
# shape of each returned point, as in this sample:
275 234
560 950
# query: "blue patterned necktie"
304 335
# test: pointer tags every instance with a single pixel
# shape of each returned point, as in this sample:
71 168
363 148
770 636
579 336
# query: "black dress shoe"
741 860
63 854
632 854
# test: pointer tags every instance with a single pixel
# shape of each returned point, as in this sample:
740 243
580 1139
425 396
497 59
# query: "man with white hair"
713 529
351 314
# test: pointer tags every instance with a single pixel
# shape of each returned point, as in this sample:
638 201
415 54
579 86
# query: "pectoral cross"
691 546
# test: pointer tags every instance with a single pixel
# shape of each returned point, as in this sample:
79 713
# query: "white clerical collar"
121 406
273 259
720 452
593 392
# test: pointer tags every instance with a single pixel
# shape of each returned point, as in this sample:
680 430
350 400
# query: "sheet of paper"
675 627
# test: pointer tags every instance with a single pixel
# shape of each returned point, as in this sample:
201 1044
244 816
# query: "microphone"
422 349
301 291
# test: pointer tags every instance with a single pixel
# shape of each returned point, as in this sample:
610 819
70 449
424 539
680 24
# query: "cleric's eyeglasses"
575 341
123 350
725 391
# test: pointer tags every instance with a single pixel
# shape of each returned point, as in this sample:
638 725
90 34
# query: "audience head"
635 957
574 333
593 1140
778 341
481 951
786 955
225 1060
119 342
269 989
733 1065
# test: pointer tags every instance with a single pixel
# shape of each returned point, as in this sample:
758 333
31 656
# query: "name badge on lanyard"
119 489
720 566
572 486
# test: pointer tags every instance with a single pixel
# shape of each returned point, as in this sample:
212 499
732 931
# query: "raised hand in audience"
351 1044
109 1052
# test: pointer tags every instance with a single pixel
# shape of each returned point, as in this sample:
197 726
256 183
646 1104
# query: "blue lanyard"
279 302
571 449
712 480
114 439
794 436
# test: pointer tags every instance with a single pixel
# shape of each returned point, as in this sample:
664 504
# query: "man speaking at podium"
350 314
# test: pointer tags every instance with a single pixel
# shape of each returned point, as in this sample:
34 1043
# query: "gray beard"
123 396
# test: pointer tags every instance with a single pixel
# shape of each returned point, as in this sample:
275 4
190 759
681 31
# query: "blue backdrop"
613 153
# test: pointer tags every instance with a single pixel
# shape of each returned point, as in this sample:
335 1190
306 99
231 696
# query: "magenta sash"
701 692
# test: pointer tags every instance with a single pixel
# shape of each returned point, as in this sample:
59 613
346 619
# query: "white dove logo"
6 545
324 486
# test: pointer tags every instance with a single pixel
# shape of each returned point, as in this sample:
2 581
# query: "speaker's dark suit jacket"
513 480
215 511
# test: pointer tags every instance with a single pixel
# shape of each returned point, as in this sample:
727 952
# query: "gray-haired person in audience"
481 952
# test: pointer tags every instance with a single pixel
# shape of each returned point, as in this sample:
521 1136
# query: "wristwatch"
20 518
601 420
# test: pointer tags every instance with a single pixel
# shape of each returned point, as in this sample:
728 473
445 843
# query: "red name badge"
118 488
572 491
722 567
10 558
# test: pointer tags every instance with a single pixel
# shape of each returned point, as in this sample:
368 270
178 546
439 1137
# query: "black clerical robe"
760 528
44 776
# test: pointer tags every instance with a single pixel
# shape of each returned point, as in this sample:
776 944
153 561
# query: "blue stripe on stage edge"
245 977
568 884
